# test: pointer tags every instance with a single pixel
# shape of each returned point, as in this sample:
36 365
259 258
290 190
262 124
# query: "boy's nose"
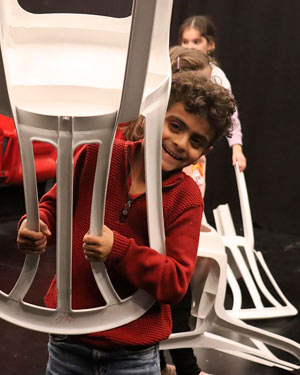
181 143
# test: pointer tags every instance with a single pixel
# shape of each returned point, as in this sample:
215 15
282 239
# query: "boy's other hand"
32 242
98 248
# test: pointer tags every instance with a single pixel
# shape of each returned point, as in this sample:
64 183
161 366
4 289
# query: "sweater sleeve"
165 277
237 136
218 76
47 208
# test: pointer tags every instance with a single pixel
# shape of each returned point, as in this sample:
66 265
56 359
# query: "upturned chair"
249 264
71 79
215 328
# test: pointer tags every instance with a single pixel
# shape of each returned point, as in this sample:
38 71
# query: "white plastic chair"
247 263
208 291
71 79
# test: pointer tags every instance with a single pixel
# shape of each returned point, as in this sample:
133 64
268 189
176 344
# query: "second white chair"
245 264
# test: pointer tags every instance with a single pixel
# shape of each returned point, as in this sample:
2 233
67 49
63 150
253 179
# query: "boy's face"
186 137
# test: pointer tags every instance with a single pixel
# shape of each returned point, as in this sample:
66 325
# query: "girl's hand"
238 156
31 242
98 248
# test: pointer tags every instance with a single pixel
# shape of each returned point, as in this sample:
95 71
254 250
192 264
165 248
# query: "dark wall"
257 48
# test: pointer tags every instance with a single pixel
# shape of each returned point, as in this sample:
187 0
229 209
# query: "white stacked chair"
245 264
215 328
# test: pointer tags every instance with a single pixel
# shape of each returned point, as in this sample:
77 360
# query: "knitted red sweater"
131 264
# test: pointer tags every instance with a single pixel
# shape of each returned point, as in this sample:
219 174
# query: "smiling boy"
199 113
185 139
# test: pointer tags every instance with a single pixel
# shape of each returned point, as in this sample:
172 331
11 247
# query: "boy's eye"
197 143
175 126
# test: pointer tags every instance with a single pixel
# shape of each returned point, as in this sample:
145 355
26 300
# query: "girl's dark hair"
205 99
203 24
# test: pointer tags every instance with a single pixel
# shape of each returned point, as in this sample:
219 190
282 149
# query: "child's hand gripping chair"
71 79
215 328
244 263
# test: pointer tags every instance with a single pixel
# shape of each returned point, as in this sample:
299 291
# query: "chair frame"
247 263
66 132
211 316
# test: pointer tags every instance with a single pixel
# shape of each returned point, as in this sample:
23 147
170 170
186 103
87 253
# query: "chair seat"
67 100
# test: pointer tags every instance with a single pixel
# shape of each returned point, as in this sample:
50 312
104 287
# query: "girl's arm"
239 157
236 142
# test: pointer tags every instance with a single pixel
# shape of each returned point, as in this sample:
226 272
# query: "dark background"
257 47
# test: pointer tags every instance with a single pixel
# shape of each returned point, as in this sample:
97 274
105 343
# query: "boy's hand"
98 248
238 156
31 242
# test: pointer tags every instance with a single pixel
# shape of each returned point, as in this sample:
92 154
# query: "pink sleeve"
237 136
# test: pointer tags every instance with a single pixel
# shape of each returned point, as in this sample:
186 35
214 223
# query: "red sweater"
132 264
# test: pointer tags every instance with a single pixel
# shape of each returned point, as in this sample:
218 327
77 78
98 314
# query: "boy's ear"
206 151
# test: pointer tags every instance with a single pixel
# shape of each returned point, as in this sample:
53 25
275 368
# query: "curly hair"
201 97
182 59
205 99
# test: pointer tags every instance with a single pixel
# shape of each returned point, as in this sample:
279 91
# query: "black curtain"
257 48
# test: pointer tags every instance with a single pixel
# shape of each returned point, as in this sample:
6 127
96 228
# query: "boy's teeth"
171 153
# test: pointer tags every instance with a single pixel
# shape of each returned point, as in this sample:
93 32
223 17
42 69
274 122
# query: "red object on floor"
10 158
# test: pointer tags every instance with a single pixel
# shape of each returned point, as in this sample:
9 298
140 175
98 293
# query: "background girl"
199 32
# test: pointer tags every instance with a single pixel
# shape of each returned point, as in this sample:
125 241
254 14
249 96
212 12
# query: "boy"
199 112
